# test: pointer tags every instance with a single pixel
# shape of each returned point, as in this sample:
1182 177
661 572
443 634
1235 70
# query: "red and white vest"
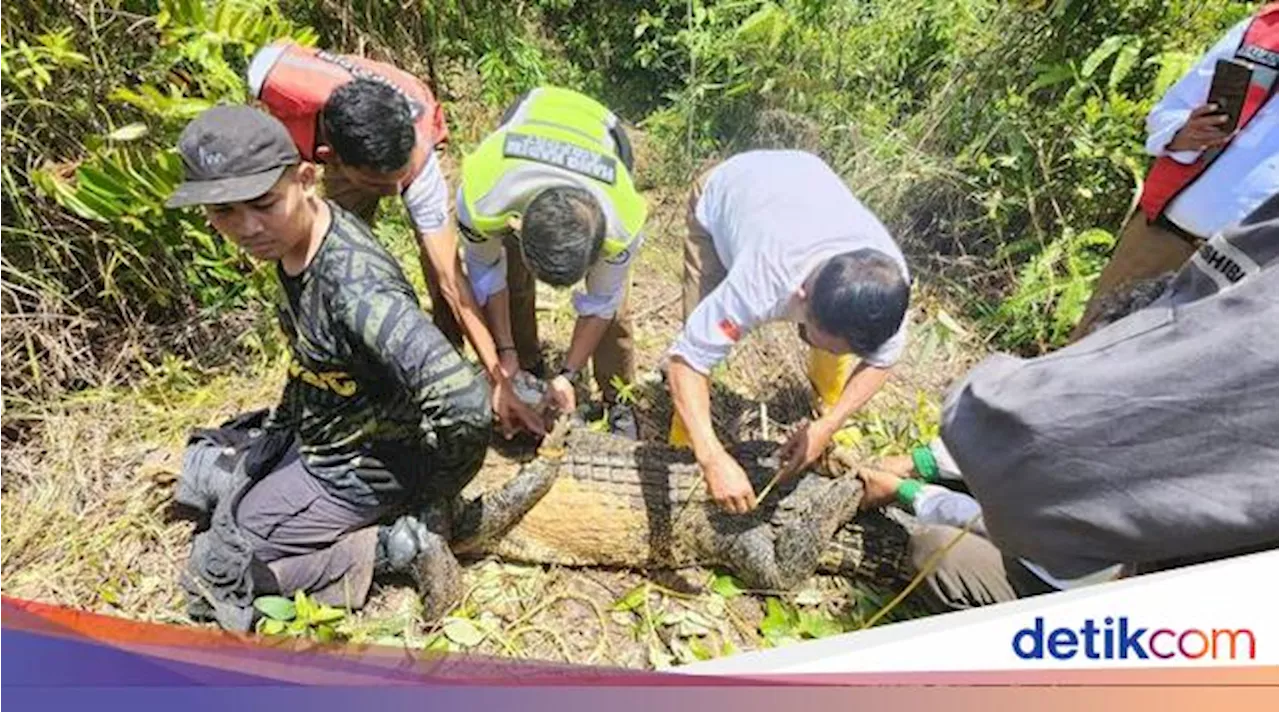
1168 177
294 82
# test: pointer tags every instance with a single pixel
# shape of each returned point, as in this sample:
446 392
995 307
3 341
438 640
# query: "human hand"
513 414
805 446
560 396
1204 129
728 485
879 488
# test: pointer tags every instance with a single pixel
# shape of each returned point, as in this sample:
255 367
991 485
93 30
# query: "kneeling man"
380 418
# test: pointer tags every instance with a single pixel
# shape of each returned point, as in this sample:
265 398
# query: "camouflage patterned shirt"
383 405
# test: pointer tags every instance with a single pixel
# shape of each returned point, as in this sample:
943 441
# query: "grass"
85 495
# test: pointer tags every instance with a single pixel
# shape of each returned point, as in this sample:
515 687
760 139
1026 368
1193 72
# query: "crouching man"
778 236
1083 465
382 422
548 197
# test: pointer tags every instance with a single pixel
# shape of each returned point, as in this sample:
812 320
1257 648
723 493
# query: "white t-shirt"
427 197
774 217
1243 176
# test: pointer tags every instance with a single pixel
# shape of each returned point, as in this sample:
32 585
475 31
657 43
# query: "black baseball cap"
231 154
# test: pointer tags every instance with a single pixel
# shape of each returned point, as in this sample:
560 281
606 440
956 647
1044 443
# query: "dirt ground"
84 500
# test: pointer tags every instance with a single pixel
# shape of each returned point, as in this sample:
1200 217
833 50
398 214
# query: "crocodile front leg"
783 553
491 514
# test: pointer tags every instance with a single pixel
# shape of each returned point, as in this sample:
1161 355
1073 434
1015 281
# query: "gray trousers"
311 540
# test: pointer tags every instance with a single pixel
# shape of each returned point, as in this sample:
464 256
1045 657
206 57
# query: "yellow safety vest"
554 137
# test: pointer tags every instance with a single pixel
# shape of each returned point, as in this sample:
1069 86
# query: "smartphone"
1230 84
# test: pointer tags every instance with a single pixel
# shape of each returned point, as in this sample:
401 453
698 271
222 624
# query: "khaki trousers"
1143 252
972 573
363 203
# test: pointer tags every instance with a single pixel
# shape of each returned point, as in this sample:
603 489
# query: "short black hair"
369 124
860 297
561 234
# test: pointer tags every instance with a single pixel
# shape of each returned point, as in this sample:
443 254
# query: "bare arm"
726 481
440 251
587 332
808 443
498 310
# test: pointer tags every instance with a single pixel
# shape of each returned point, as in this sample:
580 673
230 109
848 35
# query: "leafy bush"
992 136
89 159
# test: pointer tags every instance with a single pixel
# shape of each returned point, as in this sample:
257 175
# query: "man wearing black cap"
381 417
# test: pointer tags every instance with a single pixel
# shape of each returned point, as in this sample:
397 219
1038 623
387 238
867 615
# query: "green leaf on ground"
778 626
277 608
633 599
325 614
699 648
437 643
302 606
817 625
270 626
727 586
463 632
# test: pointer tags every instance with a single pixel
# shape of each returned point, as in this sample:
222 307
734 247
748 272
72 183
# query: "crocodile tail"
490 515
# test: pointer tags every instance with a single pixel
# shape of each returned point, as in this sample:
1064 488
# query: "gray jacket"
1153 438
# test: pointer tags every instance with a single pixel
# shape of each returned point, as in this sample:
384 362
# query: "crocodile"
594 499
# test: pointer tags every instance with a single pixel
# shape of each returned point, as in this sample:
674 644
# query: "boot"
409 547
679 434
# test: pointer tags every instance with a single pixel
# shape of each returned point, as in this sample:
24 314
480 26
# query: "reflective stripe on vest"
556 137
1168 177
299 80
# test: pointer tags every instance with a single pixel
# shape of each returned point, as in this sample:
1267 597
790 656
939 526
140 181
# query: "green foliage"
31 68
785 623
300 617
997 131
1021 121
726 586
879 432
215 40
1051 290
94 107
676 628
